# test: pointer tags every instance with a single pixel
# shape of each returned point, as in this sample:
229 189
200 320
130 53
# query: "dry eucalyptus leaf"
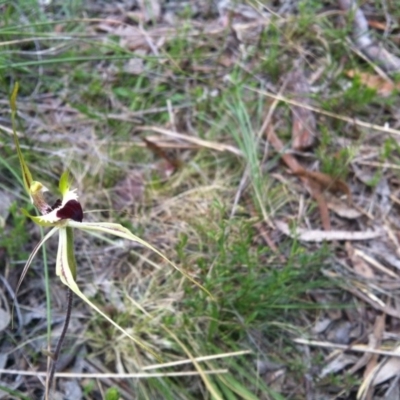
360 266
3 359
151 10
342 209
135 66
5 319
387 370
6 200
321 325
266 365
339 332
383 87
72 389
393 392
338 364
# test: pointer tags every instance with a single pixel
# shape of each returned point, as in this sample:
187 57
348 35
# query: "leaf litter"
357 215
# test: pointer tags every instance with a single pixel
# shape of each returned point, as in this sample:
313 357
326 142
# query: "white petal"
32 255
70 195
51 217
63 269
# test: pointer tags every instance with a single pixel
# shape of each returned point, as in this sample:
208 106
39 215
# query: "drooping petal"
63 270
120 231
49 219
62 243
31 257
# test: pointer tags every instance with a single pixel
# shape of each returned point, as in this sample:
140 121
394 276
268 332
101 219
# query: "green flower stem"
70 251
57 351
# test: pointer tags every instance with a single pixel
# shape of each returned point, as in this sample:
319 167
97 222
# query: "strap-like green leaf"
26 175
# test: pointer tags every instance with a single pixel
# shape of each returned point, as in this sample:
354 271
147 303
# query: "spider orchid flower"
64 217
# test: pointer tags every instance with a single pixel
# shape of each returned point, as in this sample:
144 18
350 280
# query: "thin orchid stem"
60 340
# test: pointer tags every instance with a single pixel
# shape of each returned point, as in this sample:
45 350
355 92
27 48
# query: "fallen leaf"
6 199
360 266
385 370
373 262
339 332
266 365
377 25
317 235
5 319
71 388
321 325
135 66
276 379
383 87
341 361
343 209
151 10
303 119
379 328
171 164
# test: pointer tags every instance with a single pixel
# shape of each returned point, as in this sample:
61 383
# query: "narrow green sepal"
13 98
64 185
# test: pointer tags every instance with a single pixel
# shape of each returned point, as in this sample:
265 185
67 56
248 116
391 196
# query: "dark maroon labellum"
71 210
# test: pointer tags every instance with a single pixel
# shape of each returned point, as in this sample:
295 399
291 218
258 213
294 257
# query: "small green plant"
112 394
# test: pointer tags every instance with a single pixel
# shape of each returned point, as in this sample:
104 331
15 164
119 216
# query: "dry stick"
60 340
